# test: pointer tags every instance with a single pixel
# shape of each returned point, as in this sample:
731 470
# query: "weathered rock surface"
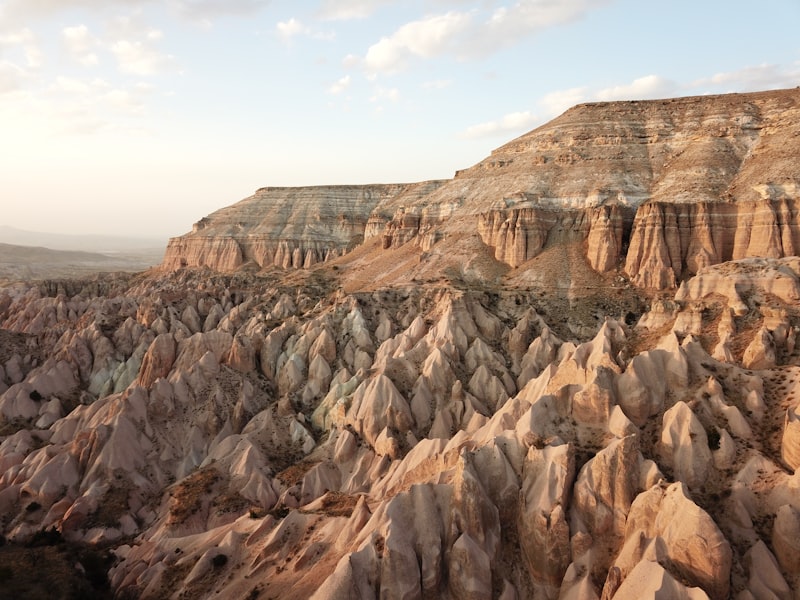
378 443
652 190
416 419
290 227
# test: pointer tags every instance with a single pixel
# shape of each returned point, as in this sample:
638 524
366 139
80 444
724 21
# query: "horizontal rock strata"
653 189
286 227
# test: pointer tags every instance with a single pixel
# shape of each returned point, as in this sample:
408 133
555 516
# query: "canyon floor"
263 435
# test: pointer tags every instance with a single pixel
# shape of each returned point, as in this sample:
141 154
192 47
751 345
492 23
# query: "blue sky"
140 117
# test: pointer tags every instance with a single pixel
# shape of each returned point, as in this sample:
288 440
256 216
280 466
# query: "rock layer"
287 227
661 188
429 416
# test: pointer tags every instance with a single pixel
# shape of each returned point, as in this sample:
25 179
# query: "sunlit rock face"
289 227
465 392
429 440
653 189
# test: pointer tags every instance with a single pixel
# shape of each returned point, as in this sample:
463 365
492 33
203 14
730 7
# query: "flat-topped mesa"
656 188
291 227
711 178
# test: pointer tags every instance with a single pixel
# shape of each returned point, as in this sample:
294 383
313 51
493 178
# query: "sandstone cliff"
287 227
652 189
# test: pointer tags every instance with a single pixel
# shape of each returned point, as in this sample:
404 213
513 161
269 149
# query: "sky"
139 117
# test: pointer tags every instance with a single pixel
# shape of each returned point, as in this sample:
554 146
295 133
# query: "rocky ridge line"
654 190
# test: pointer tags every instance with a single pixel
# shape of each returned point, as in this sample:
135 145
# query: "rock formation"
459 395
653 190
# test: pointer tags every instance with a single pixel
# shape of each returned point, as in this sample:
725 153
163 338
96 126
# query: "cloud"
290 28
293 27
437 84
472 33
26 40
70 85
647 87
516 122
526 17
759 77
382 93
339 86
88 106
425 38
139 58
79 44
204 9
21 37
196 10
557 102
643 88
11 77
342 10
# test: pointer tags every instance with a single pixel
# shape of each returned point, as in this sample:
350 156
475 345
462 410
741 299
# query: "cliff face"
286 227
674 240
661 188
519 234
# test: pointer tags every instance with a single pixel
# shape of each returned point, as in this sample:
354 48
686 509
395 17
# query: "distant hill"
87 243
33 262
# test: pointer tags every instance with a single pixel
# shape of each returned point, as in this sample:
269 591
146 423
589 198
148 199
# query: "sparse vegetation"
189 494
219 561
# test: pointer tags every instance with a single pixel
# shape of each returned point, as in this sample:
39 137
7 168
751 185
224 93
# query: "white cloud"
11 77
87 106
516 122
80 44
20 37
759 77
207 9
77 39
70 85
26 40
138 58
291 28
342 10
471 33
648 87
557 102
339 86
197 10
351 60
526 17
644 88
438 84
425 38
125 101
382 93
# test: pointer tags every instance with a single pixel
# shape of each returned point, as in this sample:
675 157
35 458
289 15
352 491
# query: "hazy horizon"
99 243
143 117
